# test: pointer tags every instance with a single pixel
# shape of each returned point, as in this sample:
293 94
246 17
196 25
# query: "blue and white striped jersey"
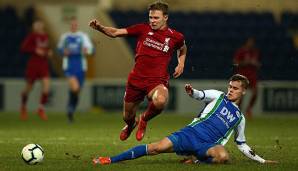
76 43
219 119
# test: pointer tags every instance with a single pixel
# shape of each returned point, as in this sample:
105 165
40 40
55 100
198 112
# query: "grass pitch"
72 146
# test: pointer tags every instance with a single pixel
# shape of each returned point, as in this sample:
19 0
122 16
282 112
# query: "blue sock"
133 153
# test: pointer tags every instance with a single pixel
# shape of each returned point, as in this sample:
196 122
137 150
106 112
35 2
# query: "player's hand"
189 89
187 161
95 24
40 52
85 51
66 52
178 71
271 162
50 53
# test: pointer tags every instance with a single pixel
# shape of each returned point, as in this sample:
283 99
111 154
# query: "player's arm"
62 50
109 31
244 148
181 55
204 95
88 48
28 45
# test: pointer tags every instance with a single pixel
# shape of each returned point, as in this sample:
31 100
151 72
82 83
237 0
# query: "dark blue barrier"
110 97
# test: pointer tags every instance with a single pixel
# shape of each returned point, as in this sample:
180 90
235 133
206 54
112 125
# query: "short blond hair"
243 79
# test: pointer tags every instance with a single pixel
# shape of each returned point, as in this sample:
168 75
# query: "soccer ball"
32 154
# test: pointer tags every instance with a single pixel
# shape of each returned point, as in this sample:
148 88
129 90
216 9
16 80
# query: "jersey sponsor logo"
229 116
223 120
157 45
78 40
74 45
153 44
42 43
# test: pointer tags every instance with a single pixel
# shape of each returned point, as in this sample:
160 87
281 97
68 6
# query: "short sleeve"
181 41
240 136
87 43
136 29
206 95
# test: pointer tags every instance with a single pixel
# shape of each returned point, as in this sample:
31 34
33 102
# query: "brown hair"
159 5
241 78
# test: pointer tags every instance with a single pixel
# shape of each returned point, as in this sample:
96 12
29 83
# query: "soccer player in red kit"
37 45
149 77
247 63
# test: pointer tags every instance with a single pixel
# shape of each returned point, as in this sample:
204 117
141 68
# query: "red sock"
24 98
43 98
151 112
129 121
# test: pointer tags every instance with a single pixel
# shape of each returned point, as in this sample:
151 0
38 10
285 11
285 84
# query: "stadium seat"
12 31
213 37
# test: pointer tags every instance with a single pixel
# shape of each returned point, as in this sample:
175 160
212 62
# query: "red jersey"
37 66
154 50
34 41
243 55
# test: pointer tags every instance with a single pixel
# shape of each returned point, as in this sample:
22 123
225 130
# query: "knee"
154 149
160 101
75 90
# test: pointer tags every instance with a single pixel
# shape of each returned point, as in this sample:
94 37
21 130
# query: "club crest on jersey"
150 33
166 45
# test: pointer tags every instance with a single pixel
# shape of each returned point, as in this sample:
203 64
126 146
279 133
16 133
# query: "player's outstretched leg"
133 153
101 161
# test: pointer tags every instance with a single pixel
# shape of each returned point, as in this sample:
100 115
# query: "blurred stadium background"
213 29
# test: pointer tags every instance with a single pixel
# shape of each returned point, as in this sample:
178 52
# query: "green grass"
72 146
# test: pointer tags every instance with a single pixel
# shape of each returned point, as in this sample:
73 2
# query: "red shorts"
138 88
35 71
252 82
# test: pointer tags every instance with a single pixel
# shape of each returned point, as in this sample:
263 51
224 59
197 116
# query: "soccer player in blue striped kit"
204 138
74 46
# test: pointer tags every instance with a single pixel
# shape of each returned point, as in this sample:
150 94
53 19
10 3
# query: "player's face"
38 27
235 91
74 26
157 19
